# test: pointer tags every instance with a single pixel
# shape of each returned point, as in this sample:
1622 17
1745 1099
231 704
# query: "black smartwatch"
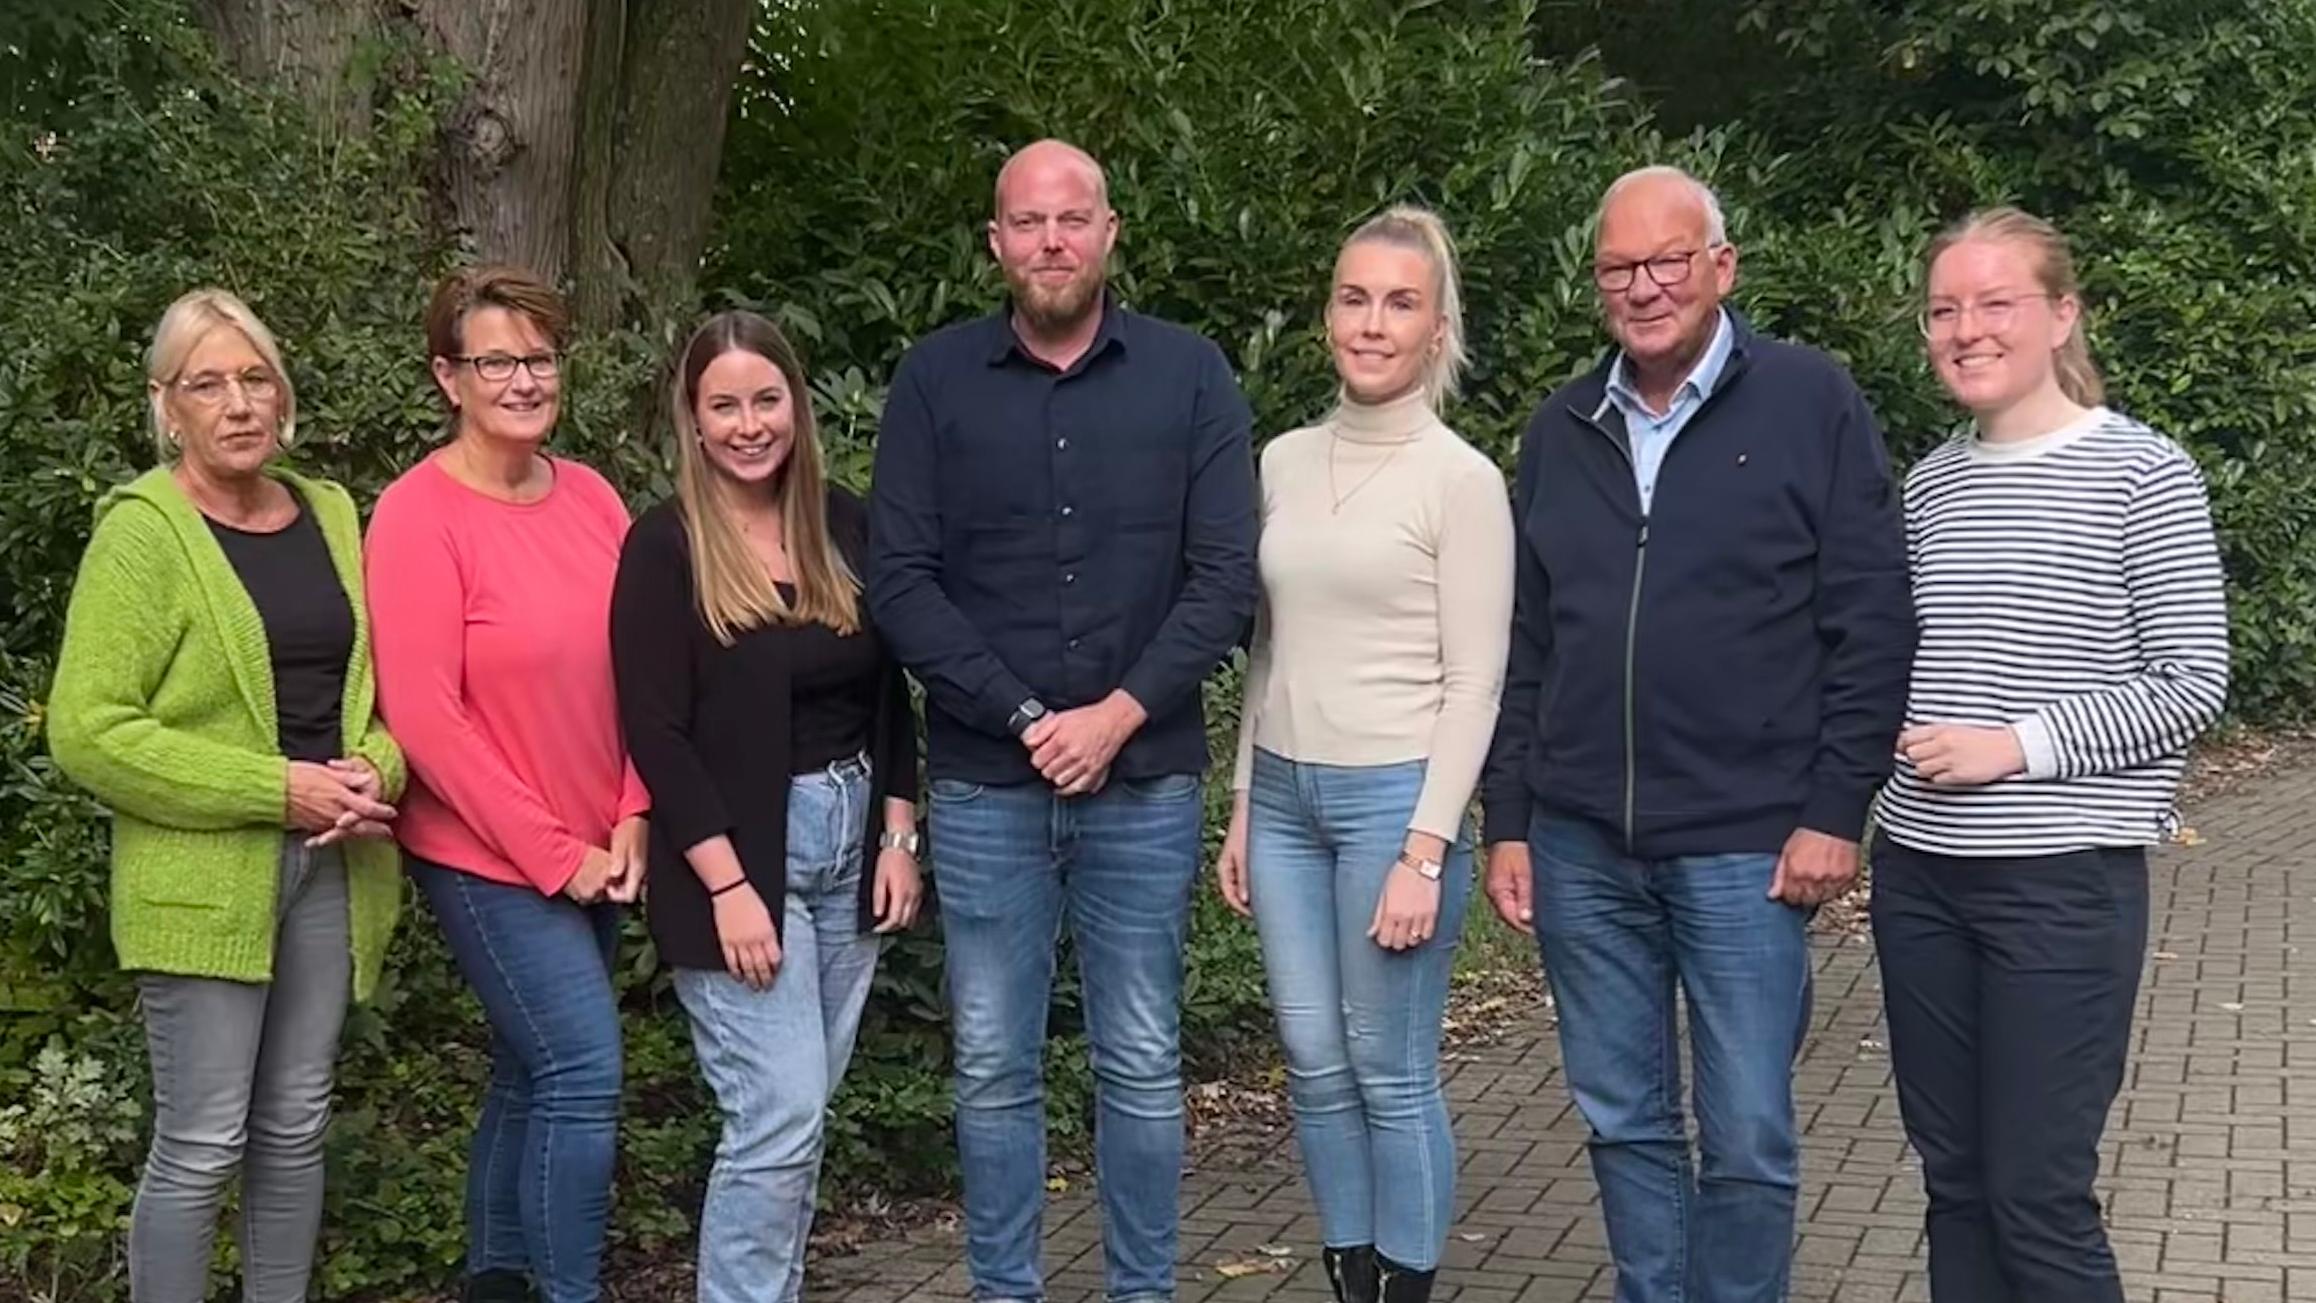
1024 715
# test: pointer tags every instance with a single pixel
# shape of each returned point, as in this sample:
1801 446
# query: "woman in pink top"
490 567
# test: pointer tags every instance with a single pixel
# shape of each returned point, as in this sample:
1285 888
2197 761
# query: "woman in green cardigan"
215 689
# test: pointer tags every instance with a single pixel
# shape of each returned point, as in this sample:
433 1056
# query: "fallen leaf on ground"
1253 1267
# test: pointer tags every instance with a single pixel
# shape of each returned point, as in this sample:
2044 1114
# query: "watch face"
1026 714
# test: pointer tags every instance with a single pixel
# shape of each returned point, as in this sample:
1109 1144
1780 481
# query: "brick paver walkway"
2210 1165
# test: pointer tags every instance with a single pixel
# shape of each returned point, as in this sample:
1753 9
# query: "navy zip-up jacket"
1709 675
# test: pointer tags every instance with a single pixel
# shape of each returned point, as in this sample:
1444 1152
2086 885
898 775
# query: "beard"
1054 309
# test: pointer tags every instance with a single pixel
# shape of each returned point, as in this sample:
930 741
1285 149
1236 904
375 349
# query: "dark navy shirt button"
1068 511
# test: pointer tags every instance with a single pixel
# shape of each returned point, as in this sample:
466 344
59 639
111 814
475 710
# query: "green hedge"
1242 141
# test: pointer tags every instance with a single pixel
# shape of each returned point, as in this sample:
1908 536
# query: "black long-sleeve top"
711 728
1062 533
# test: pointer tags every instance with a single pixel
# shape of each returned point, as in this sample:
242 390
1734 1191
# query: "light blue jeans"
1360 1024
774 1057
1011 861
1620 936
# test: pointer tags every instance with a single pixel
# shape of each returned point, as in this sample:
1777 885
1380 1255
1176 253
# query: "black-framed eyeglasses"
1665 270
498 368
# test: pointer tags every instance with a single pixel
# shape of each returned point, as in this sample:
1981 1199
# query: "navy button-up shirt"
1060 534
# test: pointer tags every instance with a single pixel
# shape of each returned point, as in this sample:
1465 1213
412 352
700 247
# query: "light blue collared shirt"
1651 434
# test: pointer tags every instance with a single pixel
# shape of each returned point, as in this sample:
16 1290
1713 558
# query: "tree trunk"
599 282
658 95
509 145
308 46
584 146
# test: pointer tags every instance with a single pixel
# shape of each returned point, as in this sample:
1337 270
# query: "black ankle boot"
1402 1284
1352 1272
498 1287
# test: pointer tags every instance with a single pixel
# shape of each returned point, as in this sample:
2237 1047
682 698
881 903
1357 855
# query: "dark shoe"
1402 1284
497 1287
1352 1273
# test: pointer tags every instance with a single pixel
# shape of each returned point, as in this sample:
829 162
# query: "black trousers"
2009 985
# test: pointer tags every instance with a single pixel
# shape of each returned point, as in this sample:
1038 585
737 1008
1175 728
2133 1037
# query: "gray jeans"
241 1081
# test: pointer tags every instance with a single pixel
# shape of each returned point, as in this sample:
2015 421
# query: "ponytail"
1410 227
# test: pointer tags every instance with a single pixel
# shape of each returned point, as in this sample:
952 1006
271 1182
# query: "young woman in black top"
775 735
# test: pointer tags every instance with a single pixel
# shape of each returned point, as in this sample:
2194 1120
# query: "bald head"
1037 166
1052 235
1667 191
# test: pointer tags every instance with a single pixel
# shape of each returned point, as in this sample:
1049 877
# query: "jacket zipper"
1640 567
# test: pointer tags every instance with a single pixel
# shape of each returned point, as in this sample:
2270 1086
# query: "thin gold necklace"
1334 438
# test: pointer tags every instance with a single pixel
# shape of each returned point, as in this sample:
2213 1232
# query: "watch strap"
1024 715
1429 870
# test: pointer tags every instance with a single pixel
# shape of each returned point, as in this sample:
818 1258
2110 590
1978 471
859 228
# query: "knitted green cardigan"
164 708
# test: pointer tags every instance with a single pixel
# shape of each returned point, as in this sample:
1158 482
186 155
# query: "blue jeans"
1360 1024
1618 934
774 1056
538 1181
1011 862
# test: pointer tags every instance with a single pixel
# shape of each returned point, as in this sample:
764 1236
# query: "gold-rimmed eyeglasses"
1993 315
211 388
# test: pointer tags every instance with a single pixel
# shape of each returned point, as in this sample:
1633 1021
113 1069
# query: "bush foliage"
1242 142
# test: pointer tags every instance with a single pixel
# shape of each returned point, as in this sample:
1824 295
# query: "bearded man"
1063 536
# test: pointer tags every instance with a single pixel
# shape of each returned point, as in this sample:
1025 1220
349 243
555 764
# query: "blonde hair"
1408 226
735 594
191 319
2054 266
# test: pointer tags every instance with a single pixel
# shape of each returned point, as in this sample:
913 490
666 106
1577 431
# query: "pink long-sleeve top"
491 625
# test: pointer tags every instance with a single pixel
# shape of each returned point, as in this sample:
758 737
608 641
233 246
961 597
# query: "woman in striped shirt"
2074 641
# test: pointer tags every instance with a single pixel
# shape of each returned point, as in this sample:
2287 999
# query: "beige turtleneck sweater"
1387 602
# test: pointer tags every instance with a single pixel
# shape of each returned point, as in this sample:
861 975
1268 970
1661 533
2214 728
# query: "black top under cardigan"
709 729
309 627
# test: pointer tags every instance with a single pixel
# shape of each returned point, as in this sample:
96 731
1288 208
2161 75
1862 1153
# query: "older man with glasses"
1710 646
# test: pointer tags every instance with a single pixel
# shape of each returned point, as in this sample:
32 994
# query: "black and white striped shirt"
2068 586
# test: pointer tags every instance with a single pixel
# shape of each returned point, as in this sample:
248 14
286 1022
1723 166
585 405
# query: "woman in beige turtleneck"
1378 659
